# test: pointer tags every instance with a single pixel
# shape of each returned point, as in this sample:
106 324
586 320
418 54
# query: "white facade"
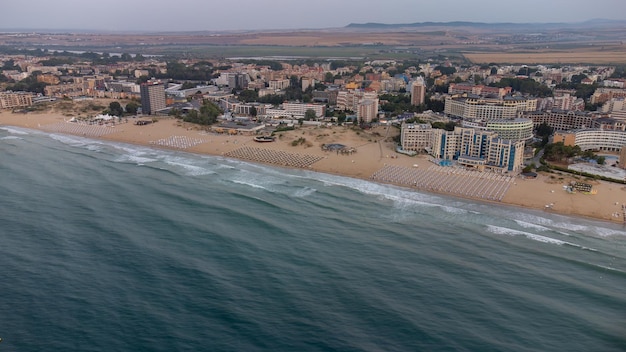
299 109
594 139
469 146
488 109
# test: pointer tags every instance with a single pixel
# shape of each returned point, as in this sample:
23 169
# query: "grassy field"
595 55
366 52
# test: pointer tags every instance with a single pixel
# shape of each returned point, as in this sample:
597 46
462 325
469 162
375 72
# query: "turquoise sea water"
113 247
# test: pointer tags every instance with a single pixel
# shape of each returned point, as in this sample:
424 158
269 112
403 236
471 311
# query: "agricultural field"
595 55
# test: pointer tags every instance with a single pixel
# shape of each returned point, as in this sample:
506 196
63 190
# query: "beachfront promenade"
451 180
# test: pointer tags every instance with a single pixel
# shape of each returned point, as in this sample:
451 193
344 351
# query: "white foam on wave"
402 199
528 225
511 232
12 138
71 140
606 232
13 130
304 192
247 183
610 268
190 170
135 159
255 179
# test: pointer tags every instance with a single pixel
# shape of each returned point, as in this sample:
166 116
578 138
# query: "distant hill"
595 23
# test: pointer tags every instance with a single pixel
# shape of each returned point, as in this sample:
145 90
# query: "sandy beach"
375 159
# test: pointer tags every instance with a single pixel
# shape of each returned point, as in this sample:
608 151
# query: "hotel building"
592 139
520 129
298 110
12 100
351 98
367 110
470 147
152 97
477 108
478 89
561 120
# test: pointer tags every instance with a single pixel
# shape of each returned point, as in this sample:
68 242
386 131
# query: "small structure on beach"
233 128
586 188
262 139
339 148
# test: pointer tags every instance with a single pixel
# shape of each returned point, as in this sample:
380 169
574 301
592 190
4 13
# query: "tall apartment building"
12 100
367 110
418 91
152 97
351 98
477 108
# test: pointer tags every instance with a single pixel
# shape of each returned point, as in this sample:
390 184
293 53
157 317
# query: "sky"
211 15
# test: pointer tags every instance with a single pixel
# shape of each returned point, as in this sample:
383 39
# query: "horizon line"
347 26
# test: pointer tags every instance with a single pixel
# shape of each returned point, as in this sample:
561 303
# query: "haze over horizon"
199 15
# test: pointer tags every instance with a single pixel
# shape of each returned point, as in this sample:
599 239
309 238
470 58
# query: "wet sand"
374 160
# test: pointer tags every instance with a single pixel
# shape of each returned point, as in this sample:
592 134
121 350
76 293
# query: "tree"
116 109
29 84
208 114
132 107
248 95
526 85
10 65
341 118
446 70
543 130
448 126
142 79
175 112
310 115
294 81
558 151
329 77
576 79
188 85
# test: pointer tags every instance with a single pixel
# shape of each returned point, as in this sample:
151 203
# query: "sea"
107 246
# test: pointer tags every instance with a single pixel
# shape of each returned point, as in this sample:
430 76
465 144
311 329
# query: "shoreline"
373 157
